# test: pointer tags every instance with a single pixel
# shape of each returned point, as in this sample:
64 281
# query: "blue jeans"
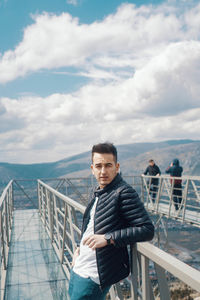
85 288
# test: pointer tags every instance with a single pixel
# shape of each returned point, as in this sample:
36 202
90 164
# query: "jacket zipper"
100 286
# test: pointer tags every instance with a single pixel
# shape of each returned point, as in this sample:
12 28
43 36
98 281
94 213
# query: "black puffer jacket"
153 171
120 212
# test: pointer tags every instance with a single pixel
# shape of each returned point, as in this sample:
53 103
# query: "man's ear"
92 169
118 167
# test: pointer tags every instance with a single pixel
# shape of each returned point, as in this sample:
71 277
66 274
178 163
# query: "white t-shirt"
86 264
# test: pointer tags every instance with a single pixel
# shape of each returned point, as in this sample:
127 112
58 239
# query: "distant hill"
133 158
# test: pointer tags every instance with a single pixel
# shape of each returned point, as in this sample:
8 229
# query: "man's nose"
103 170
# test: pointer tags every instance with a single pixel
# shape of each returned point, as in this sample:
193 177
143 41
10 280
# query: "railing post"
42 204
64 234
134 273
9 209
12 197
195 189
39 197
184 200
145 187
71 228
6 219
171 197
162 283
45 205
142 189
159 193
3 242
57 227
112 293
147 293
119 291
49 209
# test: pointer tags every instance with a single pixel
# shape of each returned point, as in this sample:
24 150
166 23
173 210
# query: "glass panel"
34 271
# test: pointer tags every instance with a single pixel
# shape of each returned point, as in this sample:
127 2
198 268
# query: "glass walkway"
34 271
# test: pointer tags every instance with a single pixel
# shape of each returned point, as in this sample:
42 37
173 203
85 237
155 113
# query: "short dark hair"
105 148
151 160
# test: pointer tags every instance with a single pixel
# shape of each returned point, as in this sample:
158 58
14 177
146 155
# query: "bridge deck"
190 216
34 271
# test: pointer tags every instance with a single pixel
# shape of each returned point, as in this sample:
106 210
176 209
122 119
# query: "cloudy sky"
76 72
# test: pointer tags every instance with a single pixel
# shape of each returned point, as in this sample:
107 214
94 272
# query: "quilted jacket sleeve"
137 224
146 171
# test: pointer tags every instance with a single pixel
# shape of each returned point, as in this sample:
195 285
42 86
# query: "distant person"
153 170
175 170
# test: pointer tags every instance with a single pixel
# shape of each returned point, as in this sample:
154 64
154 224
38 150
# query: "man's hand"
76 254
95 241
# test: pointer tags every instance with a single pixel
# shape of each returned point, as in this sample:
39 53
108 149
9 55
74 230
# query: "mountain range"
133 159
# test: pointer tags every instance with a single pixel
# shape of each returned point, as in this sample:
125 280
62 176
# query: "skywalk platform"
189 216
37 245
34 271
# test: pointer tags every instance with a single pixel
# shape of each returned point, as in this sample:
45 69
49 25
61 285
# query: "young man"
175 170
153 170
114 218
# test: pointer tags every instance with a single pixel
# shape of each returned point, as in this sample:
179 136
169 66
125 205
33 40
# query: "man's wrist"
108 238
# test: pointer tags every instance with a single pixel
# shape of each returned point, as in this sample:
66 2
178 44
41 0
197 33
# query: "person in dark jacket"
175 170
114 218
153 170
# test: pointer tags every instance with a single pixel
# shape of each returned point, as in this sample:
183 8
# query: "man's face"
152 163
104 168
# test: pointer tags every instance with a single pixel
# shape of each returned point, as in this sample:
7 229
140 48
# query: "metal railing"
80 187
62 219
145 253
6 213
180 202
158 198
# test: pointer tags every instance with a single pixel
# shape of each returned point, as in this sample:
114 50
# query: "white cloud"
73 2
144 65
54 41
160 101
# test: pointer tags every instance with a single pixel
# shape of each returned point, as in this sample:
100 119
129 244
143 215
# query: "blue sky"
16 15
76 72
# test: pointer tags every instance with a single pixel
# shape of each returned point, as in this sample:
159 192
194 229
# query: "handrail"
169 263
184 177
61 217
6 212
57 211
66 199
3 195
159 197
188 212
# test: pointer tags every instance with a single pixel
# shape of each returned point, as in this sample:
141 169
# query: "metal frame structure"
189 209
188 212
6 214
142 255
61 217
163 208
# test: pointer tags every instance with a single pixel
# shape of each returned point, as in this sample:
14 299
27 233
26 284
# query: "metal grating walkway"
34 271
